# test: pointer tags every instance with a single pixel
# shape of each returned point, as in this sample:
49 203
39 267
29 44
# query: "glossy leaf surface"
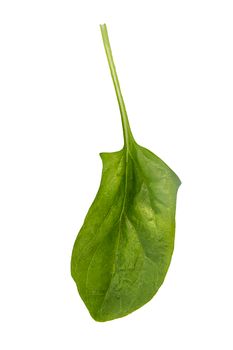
123 250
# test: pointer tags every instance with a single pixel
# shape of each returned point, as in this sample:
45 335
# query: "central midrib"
120 221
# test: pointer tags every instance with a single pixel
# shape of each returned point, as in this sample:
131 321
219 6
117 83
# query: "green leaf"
124 248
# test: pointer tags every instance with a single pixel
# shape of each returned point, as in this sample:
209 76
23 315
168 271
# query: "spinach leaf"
123 250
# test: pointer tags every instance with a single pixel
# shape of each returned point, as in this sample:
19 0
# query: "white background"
58 111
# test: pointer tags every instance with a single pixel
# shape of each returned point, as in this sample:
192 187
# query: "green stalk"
124 118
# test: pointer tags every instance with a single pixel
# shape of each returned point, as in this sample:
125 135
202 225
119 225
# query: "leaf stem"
124 118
